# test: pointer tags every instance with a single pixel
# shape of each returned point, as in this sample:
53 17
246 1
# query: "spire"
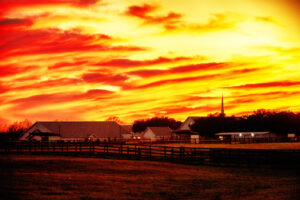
222 107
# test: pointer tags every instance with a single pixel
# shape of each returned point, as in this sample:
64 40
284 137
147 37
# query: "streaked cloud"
89 60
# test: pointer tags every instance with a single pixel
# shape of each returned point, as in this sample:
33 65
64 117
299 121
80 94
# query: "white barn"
157 133
75 131
189 122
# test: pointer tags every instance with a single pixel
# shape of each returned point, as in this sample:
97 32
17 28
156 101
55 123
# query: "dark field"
58 177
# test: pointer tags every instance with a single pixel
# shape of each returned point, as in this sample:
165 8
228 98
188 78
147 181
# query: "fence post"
150 156
93 147
67 147
182 153
165 152
139 150
80 146
135 150
18 147
41 146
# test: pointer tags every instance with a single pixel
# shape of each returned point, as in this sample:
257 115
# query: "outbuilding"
75 131
232 135
157 133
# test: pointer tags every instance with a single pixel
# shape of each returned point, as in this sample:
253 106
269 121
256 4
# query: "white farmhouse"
186 125
157 133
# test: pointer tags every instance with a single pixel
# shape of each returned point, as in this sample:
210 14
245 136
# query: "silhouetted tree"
142 124
15 130
279 123
115 119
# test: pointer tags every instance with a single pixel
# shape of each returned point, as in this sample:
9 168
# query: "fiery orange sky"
90 60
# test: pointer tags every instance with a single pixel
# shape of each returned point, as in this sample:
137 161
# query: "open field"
59 177
282 146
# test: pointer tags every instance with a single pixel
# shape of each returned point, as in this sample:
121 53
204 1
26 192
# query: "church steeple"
222 107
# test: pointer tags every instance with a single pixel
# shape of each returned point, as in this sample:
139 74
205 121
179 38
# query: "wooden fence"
241 140
203 156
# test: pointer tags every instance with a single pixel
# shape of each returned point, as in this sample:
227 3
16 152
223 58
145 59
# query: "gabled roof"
84 129
196 117
128 127
161 131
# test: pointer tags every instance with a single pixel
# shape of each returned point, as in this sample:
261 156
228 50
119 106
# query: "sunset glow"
90 60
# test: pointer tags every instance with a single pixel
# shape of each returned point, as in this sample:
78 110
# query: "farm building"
75 131
185 126
157 133
231 135
137 136
128 128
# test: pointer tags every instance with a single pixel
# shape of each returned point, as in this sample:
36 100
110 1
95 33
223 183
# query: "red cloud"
3 88
103 78
180 69
143 12
178 80
138 63
11 23
13 69
267 84
195 78
46 99
54 41
184 109
7 5
66 64
50 83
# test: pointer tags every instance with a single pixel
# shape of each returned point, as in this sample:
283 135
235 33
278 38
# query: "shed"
157 133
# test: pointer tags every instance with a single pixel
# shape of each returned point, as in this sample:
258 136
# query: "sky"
133 59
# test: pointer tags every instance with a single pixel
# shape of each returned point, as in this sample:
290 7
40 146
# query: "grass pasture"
60 177
278 146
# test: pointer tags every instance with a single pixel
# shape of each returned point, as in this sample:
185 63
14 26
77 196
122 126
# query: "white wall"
37 126
149 134
186 123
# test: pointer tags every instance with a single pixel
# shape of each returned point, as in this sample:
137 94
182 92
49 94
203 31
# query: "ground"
60 177
289 146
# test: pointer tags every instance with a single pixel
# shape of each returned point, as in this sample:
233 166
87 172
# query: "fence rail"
241 140
203 156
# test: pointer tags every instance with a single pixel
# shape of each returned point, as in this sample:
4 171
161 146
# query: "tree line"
14 131
142 124
280 123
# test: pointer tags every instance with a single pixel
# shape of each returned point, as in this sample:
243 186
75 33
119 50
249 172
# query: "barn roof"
84 129
128 127
196 117
161 131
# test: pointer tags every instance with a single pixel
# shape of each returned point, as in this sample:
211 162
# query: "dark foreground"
58 177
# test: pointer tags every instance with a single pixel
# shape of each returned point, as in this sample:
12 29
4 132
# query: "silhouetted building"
222 108
157 133
231 135
75 131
